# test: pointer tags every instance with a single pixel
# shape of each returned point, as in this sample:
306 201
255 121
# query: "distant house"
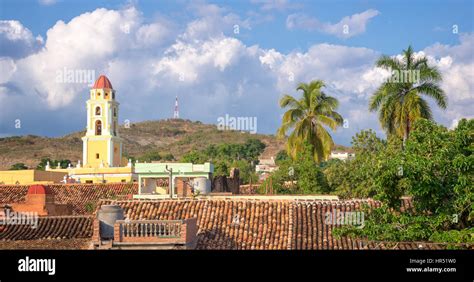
265 168
341 155
266 165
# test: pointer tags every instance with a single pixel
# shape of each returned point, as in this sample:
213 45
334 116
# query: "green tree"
281 156
307 119
310 178
168 157
440 169
150 156
399 100
355 178
43 163
52 163
225 156
253 148
221 169
436 168
194 157
301 176
18 166
246 171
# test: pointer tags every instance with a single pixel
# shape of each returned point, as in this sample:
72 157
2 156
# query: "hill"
165 136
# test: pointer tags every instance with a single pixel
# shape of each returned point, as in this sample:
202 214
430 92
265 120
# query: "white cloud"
188 60
341 67
17 41
7 68
87 42
456 64
347 27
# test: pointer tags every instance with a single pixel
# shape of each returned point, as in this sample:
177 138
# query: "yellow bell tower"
102 146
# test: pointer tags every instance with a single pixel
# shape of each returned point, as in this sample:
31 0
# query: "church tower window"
98 127
97 111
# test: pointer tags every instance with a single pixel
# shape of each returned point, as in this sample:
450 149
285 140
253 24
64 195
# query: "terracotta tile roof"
222 224
102 82
230 223
50 227
310 231
260 224
13 193
46 244
77 195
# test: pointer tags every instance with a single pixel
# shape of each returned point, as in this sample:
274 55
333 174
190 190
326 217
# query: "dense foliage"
226 156
18 166
436 168
354 178
53 163
298 176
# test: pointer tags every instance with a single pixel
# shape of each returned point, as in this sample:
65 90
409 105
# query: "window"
106 95
123 181
115 112
89 181
97 156
113 95
97 111
98 127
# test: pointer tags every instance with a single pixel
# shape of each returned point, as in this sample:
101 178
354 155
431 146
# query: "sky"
234 58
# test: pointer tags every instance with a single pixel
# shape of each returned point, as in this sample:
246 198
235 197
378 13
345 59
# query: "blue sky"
422 23
240 74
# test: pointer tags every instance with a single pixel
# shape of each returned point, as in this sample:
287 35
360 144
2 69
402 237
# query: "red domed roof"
38 189
102 82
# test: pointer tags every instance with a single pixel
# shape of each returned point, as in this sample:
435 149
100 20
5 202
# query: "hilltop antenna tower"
176 110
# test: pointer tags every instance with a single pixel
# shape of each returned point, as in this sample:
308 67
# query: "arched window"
97 111
98 127
115 112
115 128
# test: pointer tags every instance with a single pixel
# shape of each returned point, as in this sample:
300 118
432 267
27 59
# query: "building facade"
102 146
102 160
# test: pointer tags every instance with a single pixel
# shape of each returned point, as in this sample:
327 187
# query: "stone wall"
230 184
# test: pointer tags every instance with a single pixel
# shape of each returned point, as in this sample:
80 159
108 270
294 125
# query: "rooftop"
82 197
102 82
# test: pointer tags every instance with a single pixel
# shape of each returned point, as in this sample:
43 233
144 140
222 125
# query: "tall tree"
399 100
307 119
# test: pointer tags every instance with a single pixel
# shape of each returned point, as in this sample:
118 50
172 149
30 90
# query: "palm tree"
307 118
399 101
